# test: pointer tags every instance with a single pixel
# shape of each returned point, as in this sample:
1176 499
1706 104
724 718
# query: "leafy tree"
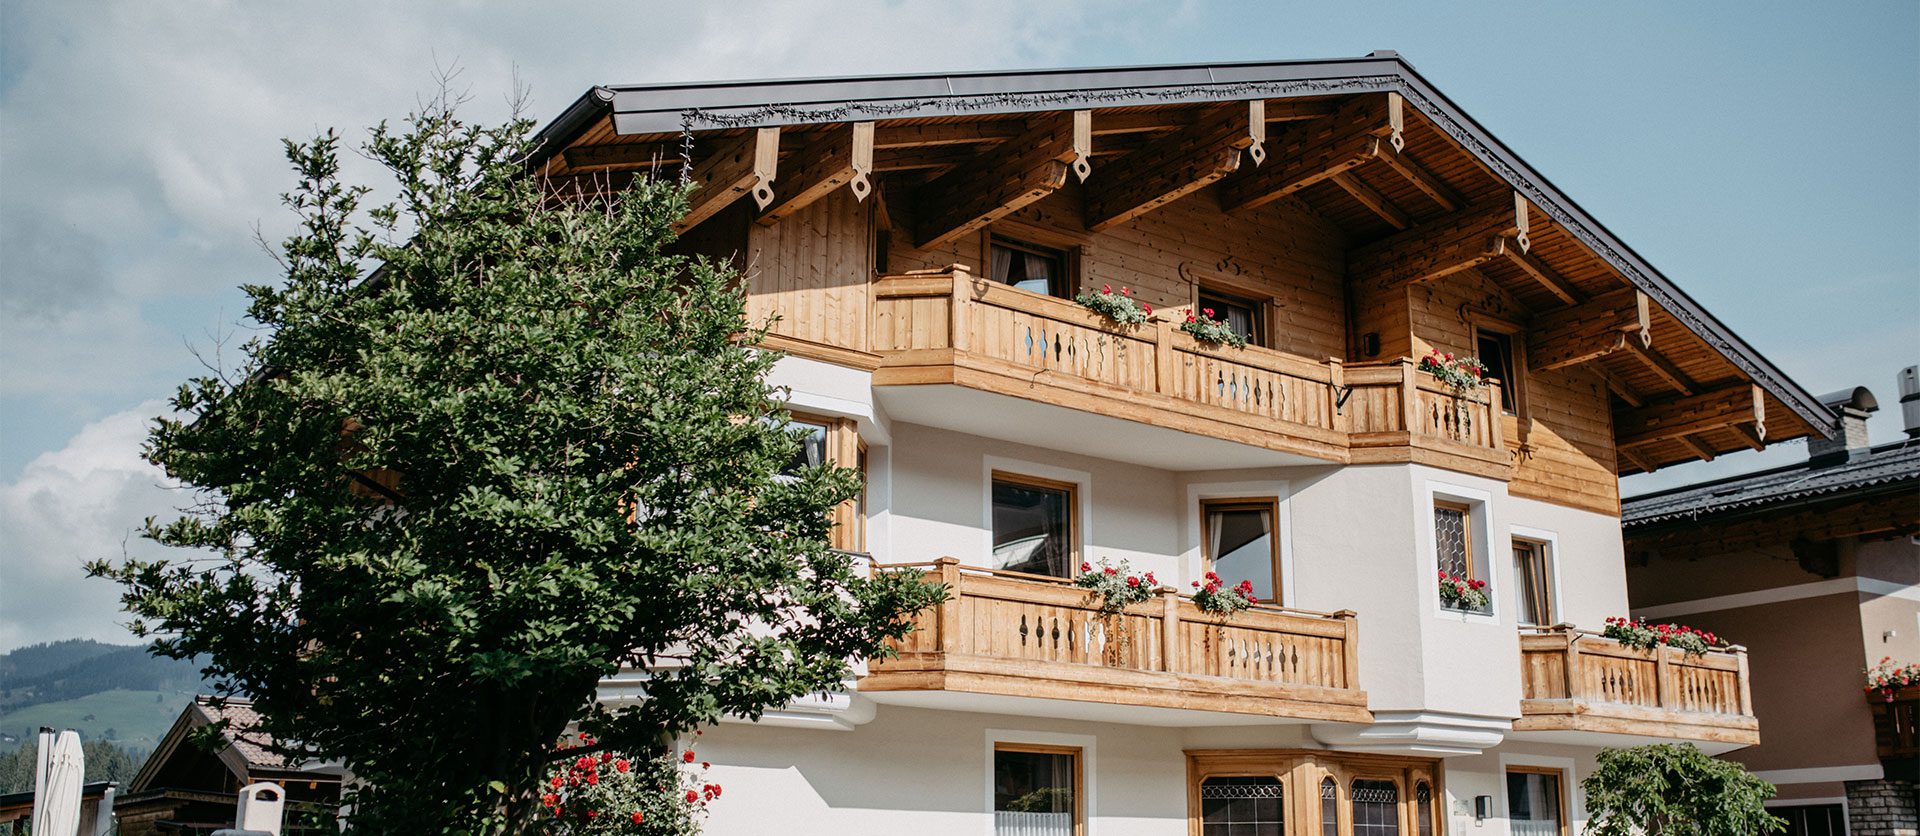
441 499
1675 790
104 762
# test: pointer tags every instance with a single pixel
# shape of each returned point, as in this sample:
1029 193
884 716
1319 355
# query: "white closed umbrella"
56 784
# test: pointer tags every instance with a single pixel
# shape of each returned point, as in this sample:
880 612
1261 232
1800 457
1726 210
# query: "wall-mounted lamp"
1482 807
1370 344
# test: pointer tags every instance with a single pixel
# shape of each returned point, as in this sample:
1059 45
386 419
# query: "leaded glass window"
1251 806
1329 808
1376 808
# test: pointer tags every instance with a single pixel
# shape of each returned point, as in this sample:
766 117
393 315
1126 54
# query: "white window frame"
1480 525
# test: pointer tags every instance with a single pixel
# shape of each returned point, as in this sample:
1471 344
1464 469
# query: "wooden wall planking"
815 270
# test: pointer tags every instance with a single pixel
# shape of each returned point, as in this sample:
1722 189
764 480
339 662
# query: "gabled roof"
1889 467
665 109
249 750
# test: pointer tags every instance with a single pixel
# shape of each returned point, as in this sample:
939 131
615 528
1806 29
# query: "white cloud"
79 503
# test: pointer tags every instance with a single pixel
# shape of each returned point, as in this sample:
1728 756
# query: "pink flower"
1149 310
1106 288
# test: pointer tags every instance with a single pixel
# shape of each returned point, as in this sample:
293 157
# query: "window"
1496 353
1533 574
1813 820
813 446
1036 790
1453 540
1246 317
1329 807
1242 807
1534 802
1240 544
1033 525
1029 267
1376 808
1423 809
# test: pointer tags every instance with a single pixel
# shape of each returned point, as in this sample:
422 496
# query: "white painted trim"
1081 480
1480 517
1782 594
1192 555
1806 802
1085 742
1552 541
1819 774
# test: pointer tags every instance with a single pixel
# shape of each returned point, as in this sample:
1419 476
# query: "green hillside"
134 720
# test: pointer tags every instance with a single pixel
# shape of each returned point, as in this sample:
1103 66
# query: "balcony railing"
949 327
1016 634
1573 680
1896 724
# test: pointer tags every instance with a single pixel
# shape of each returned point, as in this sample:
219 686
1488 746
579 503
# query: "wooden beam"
1693 444
1662 368
1175 165
1424 180
1645 464
1373 200
841 156
741 166
1287 110
1618 386
1750 435
1545 276
999 182
1313 152
1440 247
1730 406
962 133
920 158
624 155
1575 335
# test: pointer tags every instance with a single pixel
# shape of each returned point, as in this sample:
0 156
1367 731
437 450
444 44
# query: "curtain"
1216 525
1002 268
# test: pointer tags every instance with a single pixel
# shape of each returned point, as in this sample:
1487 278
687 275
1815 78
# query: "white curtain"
1007 823
1002 265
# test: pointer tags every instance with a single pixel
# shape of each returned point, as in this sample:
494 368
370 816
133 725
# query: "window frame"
1078 754
1302 772
844 448
1560 783
1269 504
1033 241
1481 562
1542 549
1401 794
1514 334
1262 333
1072 489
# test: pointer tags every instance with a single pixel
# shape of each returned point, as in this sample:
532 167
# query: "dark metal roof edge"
668 107
570 123
1878 449
1738 506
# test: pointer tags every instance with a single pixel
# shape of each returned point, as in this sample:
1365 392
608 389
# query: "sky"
1761 154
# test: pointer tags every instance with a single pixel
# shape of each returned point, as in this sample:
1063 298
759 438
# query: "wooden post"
960 307
1496 418
950 630
1663 676
1163 358
1350 648
1409 397
1572 660
1169 629
1746 685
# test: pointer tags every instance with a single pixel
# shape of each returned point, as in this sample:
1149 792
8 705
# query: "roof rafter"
1176 165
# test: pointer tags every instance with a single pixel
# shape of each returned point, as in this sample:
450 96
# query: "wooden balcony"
1576 681
952 329
1011 634
1896 725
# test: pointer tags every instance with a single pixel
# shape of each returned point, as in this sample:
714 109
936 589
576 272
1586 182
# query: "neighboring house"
1815 568
184 788
16 809
923 238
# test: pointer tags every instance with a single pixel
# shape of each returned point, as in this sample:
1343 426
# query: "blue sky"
1761 154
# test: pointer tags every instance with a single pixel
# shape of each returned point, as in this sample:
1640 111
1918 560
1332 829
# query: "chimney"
1850 439
1909 379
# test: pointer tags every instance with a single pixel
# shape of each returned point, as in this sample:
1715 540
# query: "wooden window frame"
1073 506
1261 304
1515 335
844 449
1474 569
1401 791
1301 771
1543 554
1560 782
1270 504
1079 773
1038 240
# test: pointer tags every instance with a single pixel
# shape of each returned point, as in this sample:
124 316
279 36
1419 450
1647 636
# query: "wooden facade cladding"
1366 229
1013 634
1578 681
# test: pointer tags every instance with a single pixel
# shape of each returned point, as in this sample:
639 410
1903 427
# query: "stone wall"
1882 808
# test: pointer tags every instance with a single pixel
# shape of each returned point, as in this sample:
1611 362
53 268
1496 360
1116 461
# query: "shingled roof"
1889 467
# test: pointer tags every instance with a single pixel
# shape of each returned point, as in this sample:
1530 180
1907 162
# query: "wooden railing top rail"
1340 615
